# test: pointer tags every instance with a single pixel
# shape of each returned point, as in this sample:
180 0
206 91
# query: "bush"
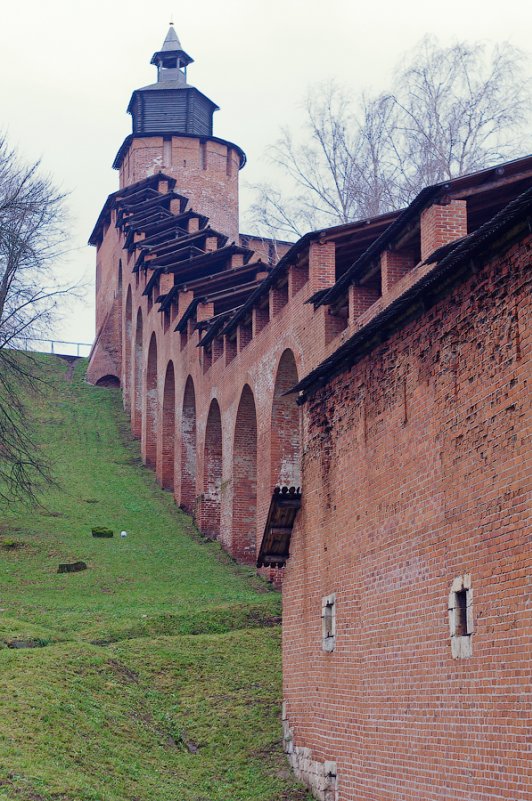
102 531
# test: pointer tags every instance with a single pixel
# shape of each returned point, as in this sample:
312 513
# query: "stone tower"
173 133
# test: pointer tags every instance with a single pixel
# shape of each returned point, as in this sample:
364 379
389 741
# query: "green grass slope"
157 671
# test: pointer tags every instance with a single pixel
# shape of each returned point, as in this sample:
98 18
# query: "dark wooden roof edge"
216 324
213 330
114 196
179 242
227 278
165 225
166 300
189 311
154 277
161 88
418 204
233 291
427 196
213 256
193 305
268 239
127 141
158 214
159 198
291 255
382 326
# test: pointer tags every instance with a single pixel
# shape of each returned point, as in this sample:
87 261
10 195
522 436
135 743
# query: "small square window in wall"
328 622
461 617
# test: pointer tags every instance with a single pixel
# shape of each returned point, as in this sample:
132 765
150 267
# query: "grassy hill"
155 673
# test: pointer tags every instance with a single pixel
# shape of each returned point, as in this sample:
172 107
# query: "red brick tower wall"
206 171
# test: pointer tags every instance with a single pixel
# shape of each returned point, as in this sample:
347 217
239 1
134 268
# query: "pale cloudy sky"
68 69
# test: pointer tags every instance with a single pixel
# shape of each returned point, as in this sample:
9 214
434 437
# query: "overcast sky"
68 69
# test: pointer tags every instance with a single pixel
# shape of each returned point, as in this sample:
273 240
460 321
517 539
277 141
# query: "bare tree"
32 233
450 111
459 109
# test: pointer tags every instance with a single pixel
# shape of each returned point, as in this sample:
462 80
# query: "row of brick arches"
185 435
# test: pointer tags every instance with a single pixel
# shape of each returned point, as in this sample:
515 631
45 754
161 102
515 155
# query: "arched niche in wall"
136 388
128 334
188 449
212 473
168 429
244 517
110 381
285 426
150 429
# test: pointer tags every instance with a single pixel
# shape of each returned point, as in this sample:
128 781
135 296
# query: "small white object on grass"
123 533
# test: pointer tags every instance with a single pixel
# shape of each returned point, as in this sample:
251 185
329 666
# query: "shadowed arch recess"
212 473
150 432
244 517
136 389
188 449
168 429
286 426
128 334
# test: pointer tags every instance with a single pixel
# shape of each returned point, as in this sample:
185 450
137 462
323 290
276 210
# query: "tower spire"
171 105
171 60
172 39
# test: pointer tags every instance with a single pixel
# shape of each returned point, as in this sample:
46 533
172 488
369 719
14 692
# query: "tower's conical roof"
171 43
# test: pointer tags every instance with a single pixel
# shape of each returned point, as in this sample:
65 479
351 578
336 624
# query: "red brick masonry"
407 629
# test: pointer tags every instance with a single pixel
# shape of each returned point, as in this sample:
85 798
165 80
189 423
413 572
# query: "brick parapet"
442 223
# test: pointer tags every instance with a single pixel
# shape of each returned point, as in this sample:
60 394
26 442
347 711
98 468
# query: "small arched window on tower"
461 624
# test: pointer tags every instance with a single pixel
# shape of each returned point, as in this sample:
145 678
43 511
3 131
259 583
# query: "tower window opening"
461 624
461 613
328 622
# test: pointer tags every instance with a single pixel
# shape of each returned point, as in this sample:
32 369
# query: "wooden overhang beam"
275 545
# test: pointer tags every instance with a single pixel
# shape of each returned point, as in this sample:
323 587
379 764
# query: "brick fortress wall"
412 472
417 472
212 469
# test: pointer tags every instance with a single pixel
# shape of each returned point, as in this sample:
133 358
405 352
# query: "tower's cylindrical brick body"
206 171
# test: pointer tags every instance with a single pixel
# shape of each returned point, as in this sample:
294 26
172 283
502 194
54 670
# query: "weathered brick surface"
442 223
414 466
417 470
206 172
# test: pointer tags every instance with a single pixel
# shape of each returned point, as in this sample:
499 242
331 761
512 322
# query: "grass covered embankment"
157 671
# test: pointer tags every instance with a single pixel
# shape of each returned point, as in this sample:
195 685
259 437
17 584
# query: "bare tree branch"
451 110
32 235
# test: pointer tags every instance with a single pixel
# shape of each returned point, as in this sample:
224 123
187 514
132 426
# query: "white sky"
68 69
